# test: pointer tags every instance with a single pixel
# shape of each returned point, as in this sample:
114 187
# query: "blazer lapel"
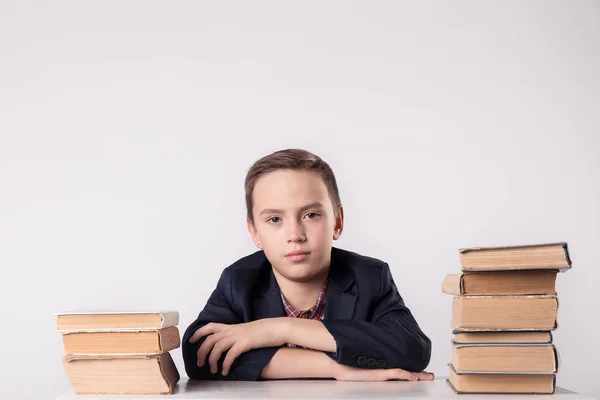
339 305
339 300
268 304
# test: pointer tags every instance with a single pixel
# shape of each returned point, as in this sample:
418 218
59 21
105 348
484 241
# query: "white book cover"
169 318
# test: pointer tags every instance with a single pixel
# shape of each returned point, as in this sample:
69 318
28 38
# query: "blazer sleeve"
247 366
392 339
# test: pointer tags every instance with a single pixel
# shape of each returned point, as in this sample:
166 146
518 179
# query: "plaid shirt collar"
315 312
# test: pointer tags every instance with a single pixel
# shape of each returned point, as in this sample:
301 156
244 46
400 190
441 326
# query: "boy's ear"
339 223
253 233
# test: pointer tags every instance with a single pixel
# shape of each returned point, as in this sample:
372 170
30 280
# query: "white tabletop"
314 390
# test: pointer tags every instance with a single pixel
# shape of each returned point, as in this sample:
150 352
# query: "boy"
298 307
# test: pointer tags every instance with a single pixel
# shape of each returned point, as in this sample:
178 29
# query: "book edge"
524 246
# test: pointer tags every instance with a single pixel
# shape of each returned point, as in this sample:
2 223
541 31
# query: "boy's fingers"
207 330
231 356
205 349
199 334
218 349
424 376
403 375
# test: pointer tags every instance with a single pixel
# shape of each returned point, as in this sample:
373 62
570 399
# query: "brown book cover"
506 337
504 358
499 283
141 374
502 383
520 313
122 342
536 256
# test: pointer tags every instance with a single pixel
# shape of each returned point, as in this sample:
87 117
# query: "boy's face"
295 223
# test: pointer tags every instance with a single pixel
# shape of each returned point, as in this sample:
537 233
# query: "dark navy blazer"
363 312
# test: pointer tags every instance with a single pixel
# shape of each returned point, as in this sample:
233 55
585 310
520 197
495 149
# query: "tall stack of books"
504 310
120 352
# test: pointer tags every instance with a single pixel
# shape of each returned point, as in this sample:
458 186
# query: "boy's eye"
274 220
311 215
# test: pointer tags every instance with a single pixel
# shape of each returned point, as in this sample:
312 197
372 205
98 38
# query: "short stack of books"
120 352
504 310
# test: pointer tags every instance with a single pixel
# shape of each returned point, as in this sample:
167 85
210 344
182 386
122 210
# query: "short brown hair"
293 159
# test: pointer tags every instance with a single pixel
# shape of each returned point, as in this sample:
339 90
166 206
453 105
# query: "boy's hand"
237 339
346 373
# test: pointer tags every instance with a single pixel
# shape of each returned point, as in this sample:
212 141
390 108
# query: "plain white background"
126 130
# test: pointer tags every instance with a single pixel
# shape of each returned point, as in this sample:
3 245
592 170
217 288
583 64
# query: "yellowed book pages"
537 256
103 320
122 342
503 337
156 374
504 312
504 358
499 383
524 282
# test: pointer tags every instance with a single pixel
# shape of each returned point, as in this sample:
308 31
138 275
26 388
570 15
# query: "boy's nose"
297 238
296 234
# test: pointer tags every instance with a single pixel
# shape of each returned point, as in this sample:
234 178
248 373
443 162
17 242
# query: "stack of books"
120 352
504 310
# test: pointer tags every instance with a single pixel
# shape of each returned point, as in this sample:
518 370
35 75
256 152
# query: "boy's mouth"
297 255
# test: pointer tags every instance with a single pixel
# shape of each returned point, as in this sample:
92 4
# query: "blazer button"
381 363
362 360
372 362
